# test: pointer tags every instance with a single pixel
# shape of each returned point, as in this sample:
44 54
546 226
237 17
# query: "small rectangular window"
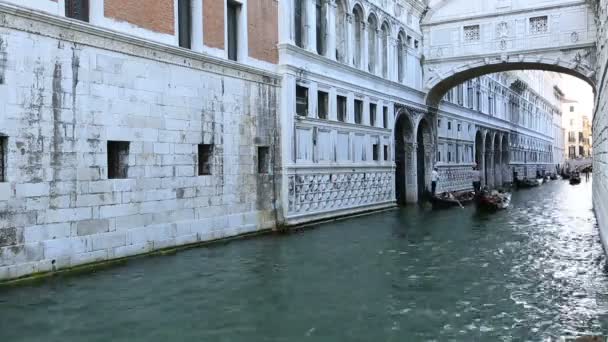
438 123
358 111
571 109
539 25
205 159
118 159
301 100
3 158
77 9
459 127
471 33
376 152
263 159
342 107
372 114
385 152
449 126
385 117
322 104
233 10
184 13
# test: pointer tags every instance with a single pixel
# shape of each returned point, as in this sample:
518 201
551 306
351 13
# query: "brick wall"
262 19
154 15
213 23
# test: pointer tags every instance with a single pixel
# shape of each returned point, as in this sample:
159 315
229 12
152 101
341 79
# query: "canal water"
529 273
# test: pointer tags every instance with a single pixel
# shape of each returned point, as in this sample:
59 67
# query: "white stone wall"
67 89
600 127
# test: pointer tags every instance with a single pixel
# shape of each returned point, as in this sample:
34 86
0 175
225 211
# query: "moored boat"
449 200
493 200
528 183
575 179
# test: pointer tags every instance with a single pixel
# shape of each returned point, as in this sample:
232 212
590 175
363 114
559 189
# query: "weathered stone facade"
69 88
330 108
600 125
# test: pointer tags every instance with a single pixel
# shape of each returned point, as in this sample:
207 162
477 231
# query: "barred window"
77 9
3 158
205 159
539 25
118 159
471 33
263 159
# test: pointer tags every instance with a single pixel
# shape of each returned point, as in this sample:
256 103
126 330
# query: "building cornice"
82 33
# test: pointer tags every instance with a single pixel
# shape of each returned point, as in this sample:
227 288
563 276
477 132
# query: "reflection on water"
532 272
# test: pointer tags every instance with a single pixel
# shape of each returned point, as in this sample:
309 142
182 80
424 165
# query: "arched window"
386 33
340 31
358 23
299 14
372 27
401 56
321 9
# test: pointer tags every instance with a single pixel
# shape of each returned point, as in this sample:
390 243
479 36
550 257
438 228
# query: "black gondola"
575 179
449 200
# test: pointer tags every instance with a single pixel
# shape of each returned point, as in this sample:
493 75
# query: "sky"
578 90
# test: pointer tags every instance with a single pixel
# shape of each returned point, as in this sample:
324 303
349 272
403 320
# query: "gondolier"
476 179
434 179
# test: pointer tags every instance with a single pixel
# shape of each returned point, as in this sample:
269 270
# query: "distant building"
577 130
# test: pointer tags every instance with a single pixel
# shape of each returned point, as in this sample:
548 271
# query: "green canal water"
531 273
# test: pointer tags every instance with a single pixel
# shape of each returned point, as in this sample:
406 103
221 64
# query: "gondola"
493 200
554 176
575 179
527 183
449 200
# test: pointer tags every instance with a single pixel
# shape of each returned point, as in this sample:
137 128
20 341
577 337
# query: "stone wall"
66 89
600 126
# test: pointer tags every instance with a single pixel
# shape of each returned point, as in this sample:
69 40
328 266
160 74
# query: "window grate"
118 159
471 33
77 9
539 25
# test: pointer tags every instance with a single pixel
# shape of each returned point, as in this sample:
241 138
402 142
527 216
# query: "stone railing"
314 192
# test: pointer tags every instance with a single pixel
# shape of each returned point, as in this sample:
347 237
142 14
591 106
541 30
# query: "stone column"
392 67
365 47
411 187
498 168
490 168
311 25
350 40
330 44
379 56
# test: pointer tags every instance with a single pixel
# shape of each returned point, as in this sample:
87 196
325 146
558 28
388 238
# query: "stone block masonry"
67 89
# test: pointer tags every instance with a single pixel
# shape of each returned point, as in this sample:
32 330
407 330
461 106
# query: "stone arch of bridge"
439 83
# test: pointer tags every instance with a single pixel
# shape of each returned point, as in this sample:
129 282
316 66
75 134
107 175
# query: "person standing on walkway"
476 179
434 179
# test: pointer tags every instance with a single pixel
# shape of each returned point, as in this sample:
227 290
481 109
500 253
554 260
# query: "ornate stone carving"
574 37
315 193
502 30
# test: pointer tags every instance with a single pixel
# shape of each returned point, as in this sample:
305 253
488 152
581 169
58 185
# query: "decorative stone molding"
311 193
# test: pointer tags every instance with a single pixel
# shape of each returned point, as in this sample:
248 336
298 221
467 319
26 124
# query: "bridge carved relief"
553 35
